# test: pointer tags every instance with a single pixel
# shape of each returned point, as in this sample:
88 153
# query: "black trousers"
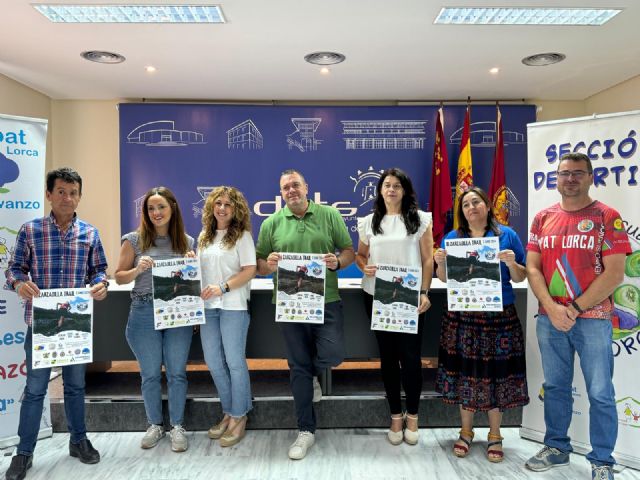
400 364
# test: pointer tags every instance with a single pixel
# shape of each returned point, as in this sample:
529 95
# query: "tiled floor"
338 454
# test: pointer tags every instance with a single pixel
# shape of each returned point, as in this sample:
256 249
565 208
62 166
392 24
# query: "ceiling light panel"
131 13
525 16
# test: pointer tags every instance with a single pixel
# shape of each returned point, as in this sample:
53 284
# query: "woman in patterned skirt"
481 361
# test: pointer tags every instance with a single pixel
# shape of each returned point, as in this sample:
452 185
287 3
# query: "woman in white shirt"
228 261
398 233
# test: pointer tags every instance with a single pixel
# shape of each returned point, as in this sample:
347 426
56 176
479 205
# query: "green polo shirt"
321 230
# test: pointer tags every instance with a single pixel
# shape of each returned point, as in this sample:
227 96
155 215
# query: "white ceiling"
393 50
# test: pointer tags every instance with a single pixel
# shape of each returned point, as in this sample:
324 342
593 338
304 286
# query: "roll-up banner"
610 141
22 159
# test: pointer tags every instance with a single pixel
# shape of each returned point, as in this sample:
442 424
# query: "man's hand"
27 290
272 261
331 259
561 317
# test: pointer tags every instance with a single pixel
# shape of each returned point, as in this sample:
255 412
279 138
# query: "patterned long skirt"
481 360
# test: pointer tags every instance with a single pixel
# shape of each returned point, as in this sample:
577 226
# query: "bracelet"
575 305
337 266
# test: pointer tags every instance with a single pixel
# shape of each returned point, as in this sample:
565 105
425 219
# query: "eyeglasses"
389 186
577 174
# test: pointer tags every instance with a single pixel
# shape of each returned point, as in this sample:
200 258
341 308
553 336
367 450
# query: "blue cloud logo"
9 172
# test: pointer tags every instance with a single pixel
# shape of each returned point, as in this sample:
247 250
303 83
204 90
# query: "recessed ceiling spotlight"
325 71
150 69
494 70
136 13
102 57
543 59
324 58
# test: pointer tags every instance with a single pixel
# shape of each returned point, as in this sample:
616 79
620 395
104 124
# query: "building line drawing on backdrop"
304 136
370 179
383 134
244 136
483 134
162 133
198 206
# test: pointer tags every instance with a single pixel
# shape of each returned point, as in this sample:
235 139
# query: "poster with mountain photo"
62 328
301 283
177 284
473 274
396 298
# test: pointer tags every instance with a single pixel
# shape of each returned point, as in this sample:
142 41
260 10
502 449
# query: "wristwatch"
424 292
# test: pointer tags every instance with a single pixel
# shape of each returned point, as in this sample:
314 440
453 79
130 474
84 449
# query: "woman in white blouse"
228 262
400 234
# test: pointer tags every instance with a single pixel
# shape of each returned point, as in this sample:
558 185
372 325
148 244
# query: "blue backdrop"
191 148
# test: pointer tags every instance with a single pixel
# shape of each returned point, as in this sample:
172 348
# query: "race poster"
300 294
396 298
62 328
473 274
176 293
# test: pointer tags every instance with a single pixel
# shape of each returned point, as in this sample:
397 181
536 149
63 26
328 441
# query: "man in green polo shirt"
305 227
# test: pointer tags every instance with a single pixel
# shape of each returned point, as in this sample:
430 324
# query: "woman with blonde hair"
228 261
160 236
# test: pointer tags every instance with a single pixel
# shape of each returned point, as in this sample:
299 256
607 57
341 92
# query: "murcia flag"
498 192
440 201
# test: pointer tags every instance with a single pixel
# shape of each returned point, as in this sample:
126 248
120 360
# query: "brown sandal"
463 450
493 455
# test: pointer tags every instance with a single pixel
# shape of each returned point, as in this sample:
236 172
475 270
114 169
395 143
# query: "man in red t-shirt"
575 260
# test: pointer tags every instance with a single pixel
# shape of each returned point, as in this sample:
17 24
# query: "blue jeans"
153 348
312 348
34 393
591 339
224 341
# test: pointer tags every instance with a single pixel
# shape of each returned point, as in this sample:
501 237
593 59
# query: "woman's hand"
508 257
144 264
425 303
190 254
210 291
440 256
370 270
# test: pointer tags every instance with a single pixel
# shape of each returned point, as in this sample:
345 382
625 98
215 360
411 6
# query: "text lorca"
14 140
583 242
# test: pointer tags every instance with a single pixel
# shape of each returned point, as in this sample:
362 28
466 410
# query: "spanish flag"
498 187
464 179
440 197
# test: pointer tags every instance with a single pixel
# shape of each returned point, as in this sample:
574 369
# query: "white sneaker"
317 390
153 435
179 442
298 449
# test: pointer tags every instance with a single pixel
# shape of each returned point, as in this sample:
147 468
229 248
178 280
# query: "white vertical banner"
22 160
610 141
